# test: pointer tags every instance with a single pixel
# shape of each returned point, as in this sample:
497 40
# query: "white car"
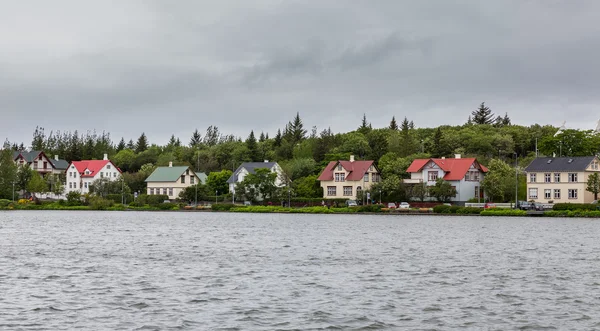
404 205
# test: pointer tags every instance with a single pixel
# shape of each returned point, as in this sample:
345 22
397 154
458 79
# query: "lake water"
215 271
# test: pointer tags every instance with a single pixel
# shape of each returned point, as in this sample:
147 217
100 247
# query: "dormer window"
108 166
339 167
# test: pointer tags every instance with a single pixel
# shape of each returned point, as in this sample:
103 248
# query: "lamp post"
516 182
233 182
380 196
422 146
13 191
196 196
216 196
122 191
289 195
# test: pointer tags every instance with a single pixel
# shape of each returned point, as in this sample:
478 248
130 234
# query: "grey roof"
541 164
60 164
202 176
28 156
167 174
251 168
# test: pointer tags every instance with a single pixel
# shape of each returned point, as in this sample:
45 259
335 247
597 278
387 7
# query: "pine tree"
506 120
483 115
196 139
252 146
411 125
142 143
469 121
267 136
438 150
278 138
121 146
297 130
393 124
130 145
405 126
365 126
262 137
37 144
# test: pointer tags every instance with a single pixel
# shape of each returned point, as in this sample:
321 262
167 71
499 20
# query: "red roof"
455 169
356 169
94 166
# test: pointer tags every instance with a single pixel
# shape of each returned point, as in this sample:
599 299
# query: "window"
170 191
86 185
339 167
547 178
45 165
101 175
340 177
533 193
573 194
532 178
192 179
547 194
331 191
70 174
152 191
572 177
371 168
182 179
366 177
374 177
108 166
187 172
557 177
70 185
432 176
347 191
80 184
115 174
595 165
556 193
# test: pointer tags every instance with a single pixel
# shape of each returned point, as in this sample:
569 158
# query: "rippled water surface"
212 271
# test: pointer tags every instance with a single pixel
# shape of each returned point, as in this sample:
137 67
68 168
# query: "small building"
38 161
247 168
464 174
345 179
171 180
81 174
561 179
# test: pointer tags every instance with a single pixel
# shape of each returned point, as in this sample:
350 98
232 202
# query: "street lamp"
516 182
13 191
379 195
196 196
216 196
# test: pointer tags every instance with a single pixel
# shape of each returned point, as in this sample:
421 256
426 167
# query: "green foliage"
469 211
217 181
191 193
503 212
99 203
222 206
571 143
257 186
142 143
8 174
442 209
573 213
308 187
105 186
593 185
117 198
74 198
575 206
499 182
152 200
483 115
4 203
445 209
37 184
442 190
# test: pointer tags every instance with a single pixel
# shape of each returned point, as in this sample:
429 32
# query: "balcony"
412 181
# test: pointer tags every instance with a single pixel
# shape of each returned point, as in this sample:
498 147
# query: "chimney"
457 156
351 158
105 157
443 157
266 161
56 157
170 164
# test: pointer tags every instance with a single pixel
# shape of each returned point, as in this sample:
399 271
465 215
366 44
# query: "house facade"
38 161
250 168
345 179
81 174
171 181
561 179
464 174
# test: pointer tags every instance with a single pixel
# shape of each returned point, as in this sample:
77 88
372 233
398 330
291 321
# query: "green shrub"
574 206
4 203
368 209
99 203
572 213
167 206
222 206
469 210
441 209
503 212
118 198
74 198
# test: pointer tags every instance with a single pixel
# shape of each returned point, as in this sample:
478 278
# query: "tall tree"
482 115
252 146
297 129
278 138
405 126
262 137
37 144
142 143
393 124
196 139
593 185
121 146
365 126
8 173
130 145
442 190
37 184
506 120
211 138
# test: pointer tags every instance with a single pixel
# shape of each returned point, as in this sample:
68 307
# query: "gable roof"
59 164
356 169
168 174
541 164
455 169
202 176
251 168
94 166
27 156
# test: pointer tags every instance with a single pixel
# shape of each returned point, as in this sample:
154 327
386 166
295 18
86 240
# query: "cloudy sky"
169 67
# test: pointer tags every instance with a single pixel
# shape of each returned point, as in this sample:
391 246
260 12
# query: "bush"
99 203
118 198
503 212
574 206
441 209
469 210
167 206
222 206
74 198
368 209
572 213
4 203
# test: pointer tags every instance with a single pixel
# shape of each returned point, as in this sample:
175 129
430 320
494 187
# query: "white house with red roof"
344 179
81 174
464 174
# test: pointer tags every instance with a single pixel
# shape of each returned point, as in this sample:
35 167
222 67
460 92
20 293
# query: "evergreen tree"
262 137
278 138
437 144
405 126
8 173
121 146
506 120
411 125
196 139
298 132
37 144
142 143
365 126
211 138
469 121
393 124
252 146
267 136
482 115
130 145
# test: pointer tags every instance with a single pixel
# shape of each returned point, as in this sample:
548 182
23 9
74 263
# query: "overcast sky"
169 67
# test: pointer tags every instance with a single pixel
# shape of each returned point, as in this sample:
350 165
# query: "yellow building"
344 179
561 179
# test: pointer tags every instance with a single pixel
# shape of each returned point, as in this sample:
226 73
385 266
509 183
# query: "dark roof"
578 163
251 168
60 164
28 156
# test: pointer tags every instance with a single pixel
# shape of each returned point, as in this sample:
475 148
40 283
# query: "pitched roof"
251 168
60 164
202 176
167 174
541 164
94 166
455 169
356 169
27 156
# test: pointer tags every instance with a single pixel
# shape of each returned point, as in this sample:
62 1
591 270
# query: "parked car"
536 206
391 205
404 205
351 203
489 205
524 205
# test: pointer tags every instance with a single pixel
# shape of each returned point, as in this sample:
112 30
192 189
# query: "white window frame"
432 176
572 176
557 193
533 193
547 177
346 192
532 177
572 193
557 177
331 191
547 194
